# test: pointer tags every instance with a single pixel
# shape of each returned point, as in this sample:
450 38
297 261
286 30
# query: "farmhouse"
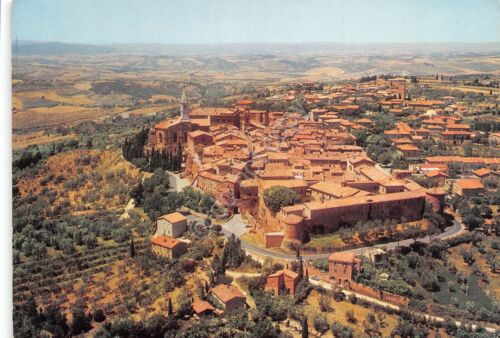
342 267
172 225
229 297
282 281
168 247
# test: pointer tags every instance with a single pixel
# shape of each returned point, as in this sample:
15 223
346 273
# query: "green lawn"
319 243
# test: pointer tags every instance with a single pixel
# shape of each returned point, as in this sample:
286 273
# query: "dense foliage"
279 196
133 151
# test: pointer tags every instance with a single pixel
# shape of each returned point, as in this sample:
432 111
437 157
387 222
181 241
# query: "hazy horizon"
277 22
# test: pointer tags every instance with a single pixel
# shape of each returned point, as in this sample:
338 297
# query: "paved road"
176 182
450 231
236 226
328 286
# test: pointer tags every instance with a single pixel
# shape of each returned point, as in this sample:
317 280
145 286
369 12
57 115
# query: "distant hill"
58 48
264 49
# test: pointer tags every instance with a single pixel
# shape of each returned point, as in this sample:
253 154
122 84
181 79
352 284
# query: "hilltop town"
299 208
239 154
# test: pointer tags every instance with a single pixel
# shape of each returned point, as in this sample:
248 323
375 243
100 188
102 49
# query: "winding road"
235 225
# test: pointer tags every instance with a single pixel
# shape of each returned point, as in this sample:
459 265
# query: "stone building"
342 267
229 297
172 225
168 247
282 281
171 134
468 187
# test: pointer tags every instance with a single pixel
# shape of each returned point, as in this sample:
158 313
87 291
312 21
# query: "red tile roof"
286 272
469 184
166 242
174 217
226 293
482 172
200 306
344 257
435 173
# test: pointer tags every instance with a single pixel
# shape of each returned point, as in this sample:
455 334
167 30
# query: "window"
175 137
161 137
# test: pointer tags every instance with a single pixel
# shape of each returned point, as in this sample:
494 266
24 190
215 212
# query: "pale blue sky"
249 21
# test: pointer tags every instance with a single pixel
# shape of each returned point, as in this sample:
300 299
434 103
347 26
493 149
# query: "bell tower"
184 106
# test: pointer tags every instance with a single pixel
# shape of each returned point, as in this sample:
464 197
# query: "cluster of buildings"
228 298
167 243
446 129
237 153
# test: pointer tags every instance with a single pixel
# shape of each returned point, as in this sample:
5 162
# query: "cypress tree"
305 328
172 163
179 157
168 161
170 308
301 269
164 160
132 248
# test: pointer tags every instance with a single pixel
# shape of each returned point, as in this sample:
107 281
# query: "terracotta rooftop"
198 133
461 133
425 103
335 190
167 123
469 184
166 242
174 217
433 166
226 293
435 173
286 272
351 201
460 159
482 172
200 306
277 156
211 111
344 257
407 147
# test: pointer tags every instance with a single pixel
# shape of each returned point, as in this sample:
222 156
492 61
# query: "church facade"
168 135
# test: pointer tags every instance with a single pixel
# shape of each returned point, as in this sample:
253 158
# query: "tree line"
133 151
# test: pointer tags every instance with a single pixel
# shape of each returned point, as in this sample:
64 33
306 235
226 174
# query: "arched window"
175 137
161 137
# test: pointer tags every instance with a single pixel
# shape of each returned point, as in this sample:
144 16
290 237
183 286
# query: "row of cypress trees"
133 148
166 160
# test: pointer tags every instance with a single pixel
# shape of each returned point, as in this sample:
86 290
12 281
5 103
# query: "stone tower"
184 106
